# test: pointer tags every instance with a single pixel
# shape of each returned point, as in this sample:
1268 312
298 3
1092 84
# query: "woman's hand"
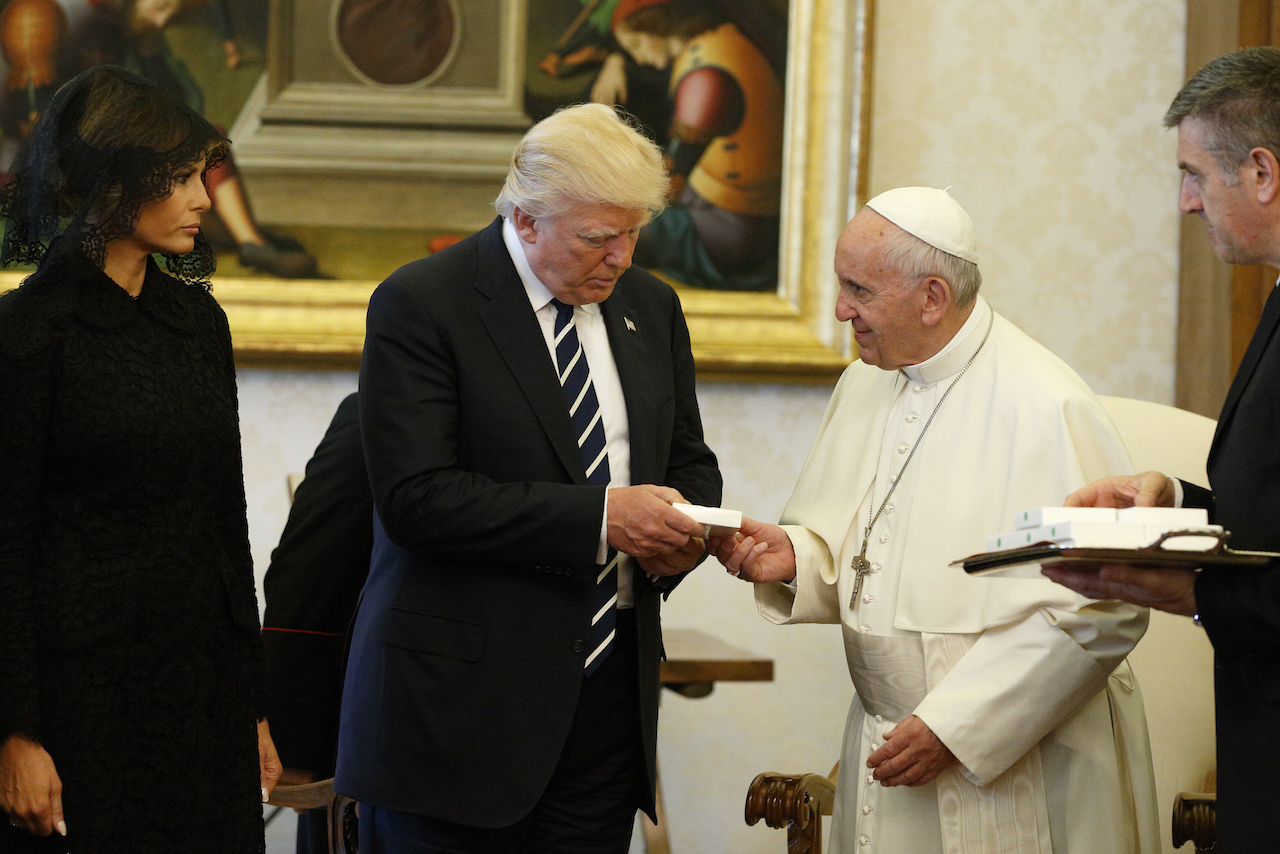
30 789
268 761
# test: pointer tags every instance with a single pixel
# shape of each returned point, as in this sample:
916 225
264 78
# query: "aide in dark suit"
468 719
311 589
1229 151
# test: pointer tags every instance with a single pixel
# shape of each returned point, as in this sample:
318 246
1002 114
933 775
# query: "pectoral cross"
860 567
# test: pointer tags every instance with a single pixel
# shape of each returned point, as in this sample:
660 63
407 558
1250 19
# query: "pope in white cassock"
991 716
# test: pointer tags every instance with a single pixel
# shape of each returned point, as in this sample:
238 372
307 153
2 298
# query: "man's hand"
757 552
642 522
269 766
910 756
1149 489
1172 590
30 789
681 560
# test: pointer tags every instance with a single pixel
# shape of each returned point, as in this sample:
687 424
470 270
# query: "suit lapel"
1258 344
627 342
514 329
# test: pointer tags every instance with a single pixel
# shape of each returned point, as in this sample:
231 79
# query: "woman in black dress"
131 674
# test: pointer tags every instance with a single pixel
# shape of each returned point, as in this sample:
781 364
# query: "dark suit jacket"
468 648
1240 609
311 589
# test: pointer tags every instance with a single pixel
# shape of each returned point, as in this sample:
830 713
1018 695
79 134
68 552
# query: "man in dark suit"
529 415
1228 121
311 589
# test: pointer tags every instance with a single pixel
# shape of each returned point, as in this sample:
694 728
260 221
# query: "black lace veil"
109 143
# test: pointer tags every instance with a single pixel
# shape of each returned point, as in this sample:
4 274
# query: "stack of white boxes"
1108 528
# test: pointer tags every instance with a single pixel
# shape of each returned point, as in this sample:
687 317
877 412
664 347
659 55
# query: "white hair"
917 260
584 155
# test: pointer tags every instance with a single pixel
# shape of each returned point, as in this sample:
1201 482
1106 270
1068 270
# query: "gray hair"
917 260
1237 96
584 155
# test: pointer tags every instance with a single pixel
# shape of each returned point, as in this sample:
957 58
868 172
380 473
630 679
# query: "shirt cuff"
602 550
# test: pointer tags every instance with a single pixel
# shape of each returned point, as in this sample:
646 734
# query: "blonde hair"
584 155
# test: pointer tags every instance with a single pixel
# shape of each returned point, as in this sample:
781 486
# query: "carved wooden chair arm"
794 802
303 796
782 799
1194 817
341 811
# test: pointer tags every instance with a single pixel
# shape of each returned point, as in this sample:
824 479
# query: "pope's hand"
1149 489
910 756
756 552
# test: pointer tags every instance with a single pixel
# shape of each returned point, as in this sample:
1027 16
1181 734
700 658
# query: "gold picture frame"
789 336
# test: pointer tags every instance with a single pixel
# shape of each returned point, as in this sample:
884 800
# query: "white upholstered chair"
1174 661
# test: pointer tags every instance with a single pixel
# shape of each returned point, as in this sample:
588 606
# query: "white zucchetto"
931 215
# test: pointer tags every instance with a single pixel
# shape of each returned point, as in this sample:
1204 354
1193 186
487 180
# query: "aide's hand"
642 522
269 766
757 552
681 560
910 756
1172 590
1149 489
30 789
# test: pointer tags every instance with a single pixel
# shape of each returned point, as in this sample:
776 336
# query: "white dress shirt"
594 338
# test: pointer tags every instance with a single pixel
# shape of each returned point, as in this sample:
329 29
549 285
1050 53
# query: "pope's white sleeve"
1020 681
813 598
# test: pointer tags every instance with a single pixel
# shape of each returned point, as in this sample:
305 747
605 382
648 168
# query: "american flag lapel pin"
630 325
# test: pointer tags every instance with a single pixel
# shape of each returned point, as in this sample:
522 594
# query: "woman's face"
169 226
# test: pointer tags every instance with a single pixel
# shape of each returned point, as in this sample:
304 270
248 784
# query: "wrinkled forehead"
862 243
599 220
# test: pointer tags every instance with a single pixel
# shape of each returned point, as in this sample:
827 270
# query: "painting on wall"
209 53
760 106
705 79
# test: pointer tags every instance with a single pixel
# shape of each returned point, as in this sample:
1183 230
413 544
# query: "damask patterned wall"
1045 119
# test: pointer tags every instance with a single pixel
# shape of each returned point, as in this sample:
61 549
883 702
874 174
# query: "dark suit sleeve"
456 475
1240 608
311 589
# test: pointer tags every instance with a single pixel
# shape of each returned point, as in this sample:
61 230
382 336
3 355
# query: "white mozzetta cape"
1026 681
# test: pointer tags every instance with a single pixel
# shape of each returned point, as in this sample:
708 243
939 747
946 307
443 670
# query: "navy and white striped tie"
588 427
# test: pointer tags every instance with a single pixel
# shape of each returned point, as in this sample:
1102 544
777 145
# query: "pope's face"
579 255
884 307
1231 214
